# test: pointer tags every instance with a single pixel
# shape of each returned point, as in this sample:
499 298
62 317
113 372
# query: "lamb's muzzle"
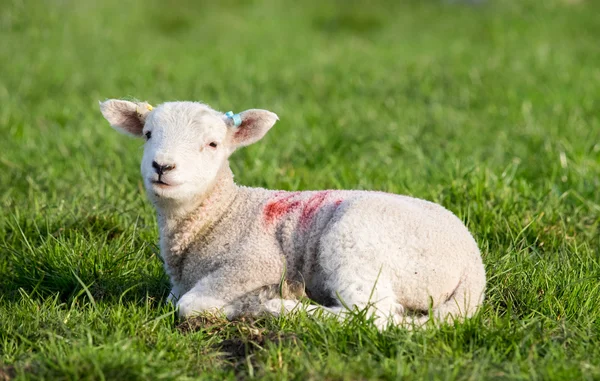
162 168
227 247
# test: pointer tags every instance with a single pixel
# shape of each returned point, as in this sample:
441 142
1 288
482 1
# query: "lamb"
227 248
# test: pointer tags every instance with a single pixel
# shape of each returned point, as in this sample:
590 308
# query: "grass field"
492 110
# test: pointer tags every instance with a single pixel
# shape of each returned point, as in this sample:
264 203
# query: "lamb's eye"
148 135
213 145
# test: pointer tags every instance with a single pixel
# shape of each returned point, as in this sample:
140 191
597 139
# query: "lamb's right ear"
125 116
253 125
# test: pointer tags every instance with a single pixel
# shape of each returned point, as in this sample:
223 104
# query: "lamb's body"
396 253
226 247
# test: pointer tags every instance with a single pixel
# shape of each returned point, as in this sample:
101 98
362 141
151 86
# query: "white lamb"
228 248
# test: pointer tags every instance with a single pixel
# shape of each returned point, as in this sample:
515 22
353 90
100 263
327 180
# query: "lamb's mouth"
161 184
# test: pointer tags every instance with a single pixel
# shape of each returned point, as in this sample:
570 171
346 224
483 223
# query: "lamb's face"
186 146
187 143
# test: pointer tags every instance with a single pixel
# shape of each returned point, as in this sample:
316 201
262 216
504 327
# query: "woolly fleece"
244 250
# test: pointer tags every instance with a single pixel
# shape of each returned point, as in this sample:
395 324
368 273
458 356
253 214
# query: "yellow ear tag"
148 107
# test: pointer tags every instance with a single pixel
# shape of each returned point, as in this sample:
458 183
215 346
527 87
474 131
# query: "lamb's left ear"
253 125
125 116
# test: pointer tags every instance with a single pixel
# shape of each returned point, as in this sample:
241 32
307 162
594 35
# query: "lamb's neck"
179 227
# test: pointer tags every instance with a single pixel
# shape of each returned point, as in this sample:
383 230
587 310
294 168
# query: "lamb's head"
187 143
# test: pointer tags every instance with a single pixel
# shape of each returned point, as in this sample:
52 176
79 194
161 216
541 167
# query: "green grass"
492 110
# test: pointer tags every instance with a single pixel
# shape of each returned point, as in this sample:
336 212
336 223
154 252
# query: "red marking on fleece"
280 206
283 203
312 206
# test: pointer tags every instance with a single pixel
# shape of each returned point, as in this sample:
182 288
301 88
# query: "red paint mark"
280 206
314 203
284 203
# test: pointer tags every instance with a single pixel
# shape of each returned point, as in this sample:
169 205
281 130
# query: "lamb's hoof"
278 307
192 305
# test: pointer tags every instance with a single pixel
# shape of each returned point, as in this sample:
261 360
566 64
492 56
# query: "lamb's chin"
163 191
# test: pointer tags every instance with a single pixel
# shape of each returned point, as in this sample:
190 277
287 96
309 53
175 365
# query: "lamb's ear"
125 116
254 125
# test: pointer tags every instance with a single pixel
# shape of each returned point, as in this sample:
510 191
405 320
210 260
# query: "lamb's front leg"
233 290
220 292
193 303
205 296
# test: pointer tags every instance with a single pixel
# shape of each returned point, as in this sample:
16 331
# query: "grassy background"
491 110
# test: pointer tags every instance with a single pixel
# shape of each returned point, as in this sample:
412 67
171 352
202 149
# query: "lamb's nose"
162 168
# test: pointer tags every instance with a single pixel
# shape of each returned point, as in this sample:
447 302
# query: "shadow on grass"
242 337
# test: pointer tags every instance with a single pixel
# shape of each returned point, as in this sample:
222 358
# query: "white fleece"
228 247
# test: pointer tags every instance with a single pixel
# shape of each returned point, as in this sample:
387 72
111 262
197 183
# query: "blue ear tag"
237 119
